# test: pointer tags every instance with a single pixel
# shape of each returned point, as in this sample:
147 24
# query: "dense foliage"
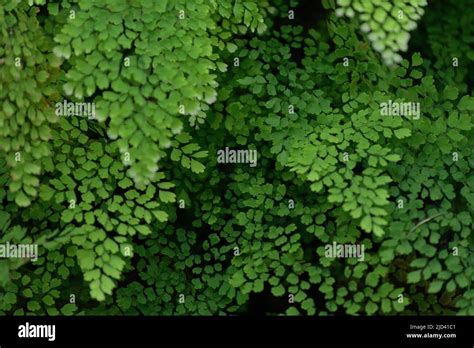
133 212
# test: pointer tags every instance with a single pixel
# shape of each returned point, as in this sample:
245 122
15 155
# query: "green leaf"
246 81
414 277
278 290
435 286
4 273
46 193
371 308
167 197
402 133
258 285
160 215
237 279
33 306
53 8
292 311
366 223
143 229
86 258
197 167
450 93
462 280
416 59
231 47
125 183
466 103
48 300
68 309
22 200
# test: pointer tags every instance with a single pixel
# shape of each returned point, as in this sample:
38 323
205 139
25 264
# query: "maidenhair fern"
387 23
344 124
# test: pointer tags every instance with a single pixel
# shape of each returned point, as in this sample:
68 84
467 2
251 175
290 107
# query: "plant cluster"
133 213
